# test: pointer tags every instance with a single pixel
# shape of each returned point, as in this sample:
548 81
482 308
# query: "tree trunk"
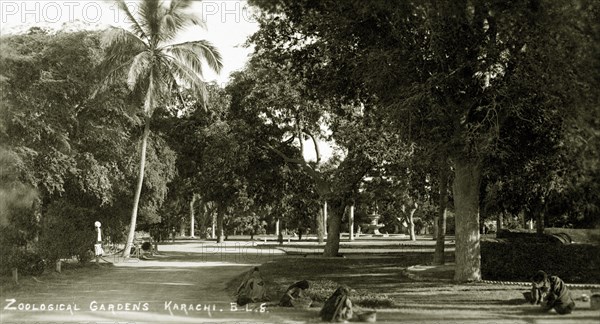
435 227
192 222
351 223
439 254
220 214
466 202
539 219
202 216
320 226
332 246
138 190
213 227
325 222
499 222
411 222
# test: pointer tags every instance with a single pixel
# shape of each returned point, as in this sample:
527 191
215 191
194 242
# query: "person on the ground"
252 289
551 293
338 307
295 291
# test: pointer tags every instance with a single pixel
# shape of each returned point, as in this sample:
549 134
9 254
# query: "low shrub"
27 262
68 232
518 260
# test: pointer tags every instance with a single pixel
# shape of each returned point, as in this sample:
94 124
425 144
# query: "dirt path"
182 285
188 283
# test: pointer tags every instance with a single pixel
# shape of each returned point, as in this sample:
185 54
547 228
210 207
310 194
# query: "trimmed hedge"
553 235
519 260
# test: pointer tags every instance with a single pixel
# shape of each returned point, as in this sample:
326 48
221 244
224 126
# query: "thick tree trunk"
466 202
220 215
439 254
332 246
138 190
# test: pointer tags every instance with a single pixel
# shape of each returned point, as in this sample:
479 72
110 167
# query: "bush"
529 236
68 232
27 262
30 263
519 260
146 246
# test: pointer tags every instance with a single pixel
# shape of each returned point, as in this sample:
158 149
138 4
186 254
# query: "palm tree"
155 67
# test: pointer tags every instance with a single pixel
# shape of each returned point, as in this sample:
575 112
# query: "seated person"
338 307
294 291
551 292
252 289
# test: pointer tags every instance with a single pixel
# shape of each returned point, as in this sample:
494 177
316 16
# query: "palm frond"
151 13
174 22
139 69
203 49
187 76
121 46
135 26
117 38
189 58
110 75
180 5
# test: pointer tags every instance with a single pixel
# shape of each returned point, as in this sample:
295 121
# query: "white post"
325 218
277 227
351 222
98 245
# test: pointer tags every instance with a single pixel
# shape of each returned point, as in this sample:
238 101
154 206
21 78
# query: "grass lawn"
381 282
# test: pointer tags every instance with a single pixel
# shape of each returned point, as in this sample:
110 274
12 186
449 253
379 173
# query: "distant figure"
295 291
338 307
551 292
252 289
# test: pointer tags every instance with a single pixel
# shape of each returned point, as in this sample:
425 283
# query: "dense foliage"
460 105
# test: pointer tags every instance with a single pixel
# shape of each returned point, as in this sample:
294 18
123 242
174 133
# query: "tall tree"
449 72
154 68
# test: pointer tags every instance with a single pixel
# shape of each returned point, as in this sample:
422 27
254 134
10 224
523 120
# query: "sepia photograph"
299 161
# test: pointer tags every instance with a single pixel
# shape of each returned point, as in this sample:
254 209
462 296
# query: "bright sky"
229 23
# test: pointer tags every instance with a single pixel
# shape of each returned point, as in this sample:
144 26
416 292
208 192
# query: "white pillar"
351 223
325 217
277 227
